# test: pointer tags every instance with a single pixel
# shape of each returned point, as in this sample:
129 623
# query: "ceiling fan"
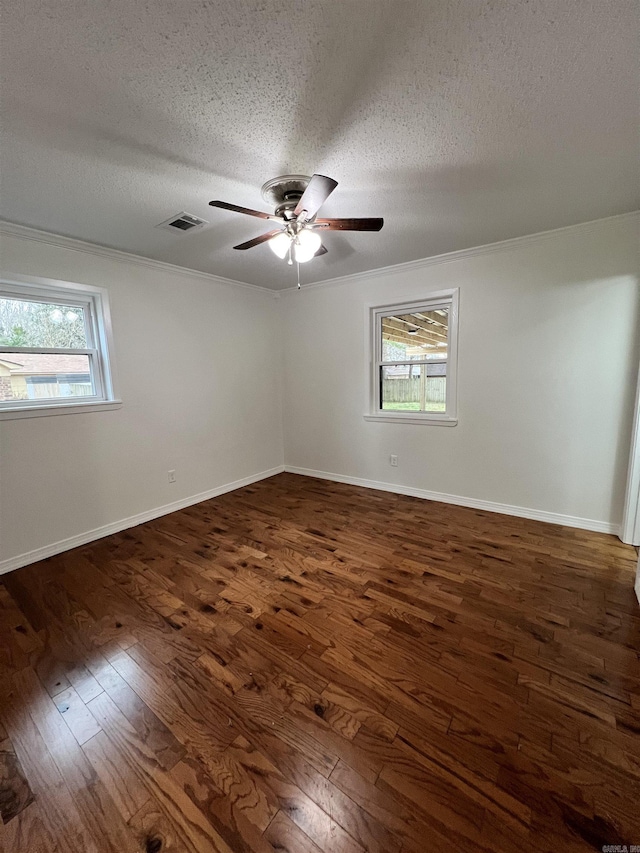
297 200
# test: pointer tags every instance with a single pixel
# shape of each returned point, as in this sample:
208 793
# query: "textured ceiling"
461 122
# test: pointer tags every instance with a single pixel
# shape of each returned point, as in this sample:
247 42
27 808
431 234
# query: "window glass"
26 323
43 376
414 387
416 336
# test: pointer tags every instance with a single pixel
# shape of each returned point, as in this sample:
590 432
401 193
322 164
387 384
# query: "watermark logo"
621 848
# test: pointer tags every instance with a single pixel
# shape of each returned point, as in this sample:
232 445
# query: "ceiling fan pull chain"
298 265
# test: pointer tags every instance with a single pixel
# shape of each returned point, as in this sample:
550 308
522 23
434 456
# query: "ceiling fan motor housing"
284 193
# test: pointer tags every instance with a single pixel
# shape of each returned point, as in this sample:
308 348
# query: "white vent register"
182 222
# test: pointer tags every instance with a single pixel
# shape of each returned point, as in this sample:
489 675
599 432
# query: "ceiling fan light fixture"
279 244
305 245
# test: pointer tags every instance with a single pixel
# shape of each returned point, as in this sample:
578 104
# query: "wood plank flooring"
307 667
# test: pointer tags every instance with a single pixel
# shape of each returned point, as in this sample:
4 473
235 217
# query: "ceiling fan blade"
317 192
257 240
372 224
321 251
226 206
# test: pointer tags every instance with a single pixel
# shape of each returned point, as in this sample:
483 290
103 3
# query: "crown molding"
473 251
24 232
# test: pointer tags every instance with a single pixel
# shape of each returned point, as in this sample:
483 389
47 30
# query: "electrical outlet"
172 476
393 460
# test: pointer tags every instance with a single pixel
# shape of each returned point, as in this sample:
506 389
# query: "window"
413 358
54 348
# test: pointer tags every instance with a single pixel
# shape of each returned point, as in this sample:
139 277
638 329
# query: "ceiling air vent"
182 222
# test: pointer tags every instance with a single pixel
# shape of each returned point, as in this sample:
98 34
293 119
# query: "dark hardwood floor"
302 666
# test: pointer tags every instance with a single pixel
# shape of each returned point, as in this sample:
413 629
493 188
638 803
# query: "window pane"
39 376
414 387
415 337
38 324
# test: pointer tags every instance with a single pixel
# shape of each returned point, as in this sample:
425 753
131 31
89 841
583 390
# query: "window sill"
62 409
403 418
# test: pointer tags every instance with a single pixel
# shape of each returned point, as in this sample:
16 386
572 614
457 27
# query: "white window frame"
95 302
441 299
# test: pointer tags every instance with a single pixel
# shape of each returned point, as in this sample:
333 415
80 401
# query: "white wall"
198 362
548 358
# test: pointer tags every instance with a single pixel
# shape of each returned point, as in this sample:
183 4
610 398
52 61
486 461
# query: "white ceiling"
462 122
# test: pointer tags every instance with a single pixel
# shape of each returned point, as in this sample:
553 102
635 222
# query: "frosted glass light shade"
306 245
279 244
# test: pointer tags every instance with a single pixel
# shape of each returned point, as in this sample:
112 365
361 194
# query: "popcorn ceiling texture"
462 122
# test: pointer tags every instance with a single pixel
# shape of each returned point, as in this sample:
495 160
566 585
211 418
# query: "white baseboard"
29 557
458 500
132 521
